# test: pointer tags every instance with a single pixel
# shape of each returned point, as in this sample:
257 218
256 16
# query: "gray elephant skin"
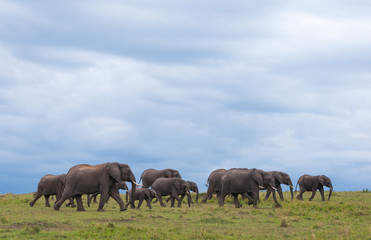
102 178
93 196
192 187
214 183
242 180
173 187
280 178
50 185
142 194
313 183
149 176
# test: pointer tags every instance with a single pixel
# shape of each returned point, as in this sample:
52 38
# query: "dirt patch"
42 225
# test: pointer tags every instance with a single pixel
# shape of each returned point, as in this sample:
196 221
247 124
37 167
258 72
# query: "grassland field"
346 216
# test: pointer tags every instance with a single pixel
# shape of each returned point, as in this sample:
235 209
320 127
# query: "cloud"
192 86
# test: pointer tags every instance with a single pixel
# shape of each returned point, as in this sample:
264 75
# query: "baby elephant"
173 187
142 194
312 183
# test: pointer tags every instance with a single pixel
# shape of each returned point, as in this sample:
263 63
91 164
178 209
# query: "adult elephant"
50 185
149 176
242 180
312 183
280 178
102 178
214 183
142 194
173 187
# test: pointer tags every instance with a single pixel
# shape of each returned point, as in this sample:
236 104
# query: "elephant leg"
300 195
89 196
181 200
114 193
314 190
80 207
268 194
159 197
47 204
71 203
237 204
59 203
167 199
322 193
37 196
208 195
149 203
279 190
95 198
221 199
102 201
140 202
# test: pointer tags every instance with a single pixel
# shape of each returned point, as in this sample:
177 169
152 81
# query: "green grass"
346 216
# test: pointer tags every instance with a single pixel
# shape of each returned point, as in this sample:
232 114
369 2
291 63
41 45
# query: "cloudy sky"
190 85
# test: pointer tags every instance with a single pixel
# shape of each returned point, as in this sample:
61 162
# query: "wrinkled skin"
143 194
214 184
192 187
280 178
312 184
173 187
149 176
94 195
242 180
50 185
102 178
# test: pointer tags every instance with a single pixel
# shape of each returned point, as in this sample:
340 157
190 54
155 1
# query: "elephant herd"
106 179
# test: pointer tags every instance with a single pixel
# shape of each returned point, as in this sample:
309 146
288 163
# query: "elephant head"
264 179
184 188
120 173
284 178
326 181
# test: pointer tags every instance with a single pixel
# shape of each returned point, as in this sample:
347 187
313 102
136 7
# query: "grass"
346 216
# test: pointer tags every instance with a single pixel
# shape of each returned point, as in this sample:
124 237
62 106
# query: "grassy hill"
346 216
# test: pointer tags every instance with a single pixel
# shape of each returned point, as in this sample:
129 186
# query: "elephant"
280 178
214 184
192 187
94 195
50 185
143 194
149 176
102 178
173 187
312 183
242 180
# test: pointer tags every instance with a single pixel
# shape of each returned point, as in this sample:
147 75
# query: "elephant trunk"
189 198
275 199
329 195
133 188
291 190
196 195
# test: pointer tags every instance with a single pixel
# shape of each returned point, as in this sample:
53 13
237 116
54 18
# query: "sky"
189 85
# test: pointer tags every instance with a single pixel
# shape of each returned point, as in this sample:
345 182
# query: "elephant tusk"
261 187
274 188
137 184
291 186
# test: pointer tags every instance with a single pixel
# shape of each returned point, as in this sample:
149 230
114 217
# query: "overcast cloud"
190 85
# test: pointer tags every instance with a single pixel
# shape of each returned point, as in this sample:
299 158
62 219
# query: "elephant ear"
114 171
322 180
279 177
168 174
258 178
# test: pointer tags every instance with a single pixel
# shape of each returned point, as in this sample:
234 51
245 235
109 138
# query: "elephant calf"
173 187
50 185
142 194
312 183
